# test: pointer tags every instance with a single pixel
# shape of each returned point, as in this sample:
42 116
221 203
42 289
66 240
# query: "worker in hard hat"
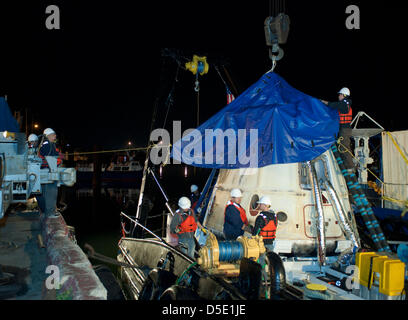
47 201
195 194
343 106
184 224
235 219
265 226
32 143
266 223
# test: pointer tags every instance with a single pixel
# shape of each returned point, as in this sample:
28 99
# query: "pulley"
276 33
198 65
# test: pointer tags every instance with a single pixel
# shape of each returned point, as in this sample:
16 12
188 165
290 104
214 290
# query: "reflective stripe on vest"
187 225
241 210
269 231
346 117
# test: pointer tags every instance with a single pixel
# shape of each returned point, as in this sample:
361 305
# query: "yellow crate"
392 283
363 265
387 271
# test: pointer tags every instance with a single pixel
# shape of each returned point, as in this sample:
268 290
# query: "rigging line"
219 73
230 80
156 105
115 150
170 100
198 108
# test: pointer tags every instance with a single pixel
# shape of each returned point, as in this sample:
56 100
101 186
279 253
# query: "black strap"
370 274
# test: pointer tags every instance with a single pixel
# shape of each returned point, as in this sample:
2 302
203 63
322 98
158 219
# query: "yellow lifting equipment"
198 65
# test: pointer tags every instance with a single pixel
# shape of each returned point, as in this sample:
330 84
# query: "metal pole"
320 234
137 223
142 187
162 191
341 216
26 122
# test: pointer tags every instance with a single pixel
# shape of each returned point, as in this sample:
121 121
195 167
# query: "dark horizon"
95 80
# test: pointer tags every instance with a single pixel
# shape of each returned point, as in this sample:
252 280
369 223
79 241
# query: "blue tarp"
291 127
7 121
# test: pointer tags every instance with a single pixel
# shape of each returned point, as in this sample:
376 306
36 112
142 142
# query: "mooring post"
96 182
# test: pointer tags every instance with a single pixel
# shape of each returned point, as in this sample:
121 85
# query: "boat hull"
147 254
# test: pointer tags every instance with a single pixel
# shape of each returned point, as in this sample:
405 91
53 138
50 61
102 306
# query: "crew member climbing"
343 106
195 195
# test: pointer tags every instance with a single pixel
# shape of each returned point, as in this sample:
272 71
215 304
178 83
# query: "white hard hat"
345 91
193 188
48 131
32 137
265 200
184 203
236 193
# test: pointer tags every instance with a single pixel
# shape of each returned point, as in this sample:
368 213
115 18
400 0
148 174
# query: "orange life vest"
241 210
346 117
269 231
189 224
59 159
44 163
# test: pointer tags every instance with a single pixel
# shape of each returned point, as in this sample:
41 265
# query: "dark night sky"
95 79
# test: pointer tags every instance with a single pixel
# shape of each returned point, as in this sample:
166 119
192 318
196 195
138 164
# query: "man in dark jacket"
47 201
235 220
343 106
